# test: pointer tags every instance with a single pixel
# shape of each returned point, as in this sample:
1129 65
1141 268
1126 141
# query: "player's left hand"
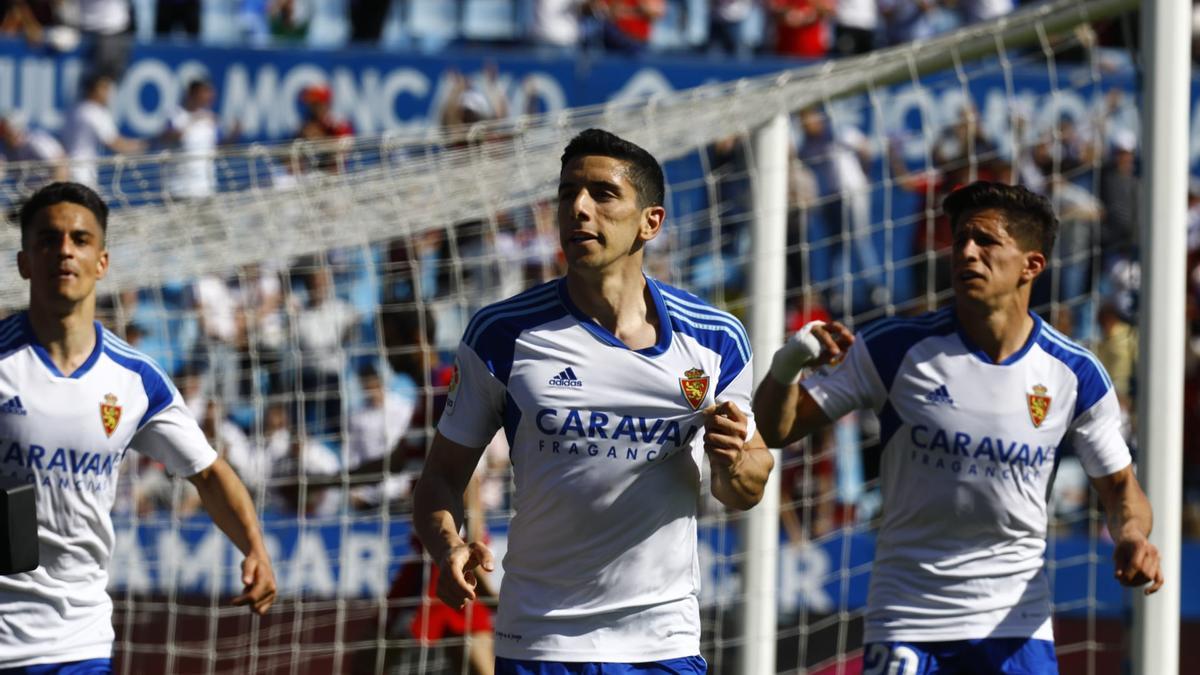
259 584
1136 562
724 434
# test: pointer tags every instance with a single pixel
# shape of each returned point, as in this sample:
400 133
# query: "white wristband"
800 350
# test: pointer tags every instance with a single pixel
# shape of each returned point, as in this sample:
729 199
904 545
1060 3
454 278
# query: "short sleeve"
1096 438
172 437
851 385
739 392
475 403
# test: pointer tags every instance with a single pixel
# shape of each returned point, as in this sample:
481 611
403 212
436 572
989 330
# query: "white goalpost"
326 283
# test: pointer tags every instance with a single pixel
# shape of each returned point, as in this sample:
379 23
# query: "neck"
67 336
619 301
999 331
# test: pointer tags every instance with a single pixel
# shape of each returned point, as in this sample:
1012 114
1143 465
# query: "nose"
582 205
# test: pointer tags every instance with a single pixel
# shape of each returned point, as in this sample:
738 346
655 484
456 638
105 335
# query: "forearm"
1130 511
437 515
228 503
741 485
775 410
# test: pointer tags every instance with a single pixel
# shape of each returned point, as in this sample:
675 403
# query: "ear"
652 222
102 265
22 265
1035 264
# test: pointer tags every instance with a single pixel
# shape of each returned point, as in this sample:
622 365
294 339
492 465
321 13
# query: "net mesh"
308 309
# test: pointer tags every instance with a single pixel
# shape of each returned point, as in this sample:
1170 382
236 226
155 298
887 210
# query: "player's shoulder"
1088 370
692 315
14 334
908 330
509 317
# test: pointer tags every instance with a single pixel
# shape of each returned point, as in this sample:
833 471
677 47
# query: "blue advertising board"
359 558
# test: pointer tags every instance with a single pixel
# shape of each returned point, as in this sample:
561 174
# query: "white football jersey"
607 451
67 435
969 453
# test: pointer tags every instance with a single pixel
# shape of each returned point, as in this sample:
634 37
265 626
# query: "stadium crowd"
280 362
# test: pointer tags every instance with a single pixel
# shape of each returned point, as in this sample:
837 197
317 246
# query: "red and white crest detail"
1039 405
110 414
694 385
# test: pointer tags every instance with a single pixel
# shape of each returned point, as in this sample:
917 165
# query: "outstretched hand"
258 581
835 340
1136 562
457 579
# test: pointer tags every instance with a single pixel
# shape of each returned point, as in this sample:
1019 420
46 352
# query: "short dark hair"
1031 219
645 173
57 193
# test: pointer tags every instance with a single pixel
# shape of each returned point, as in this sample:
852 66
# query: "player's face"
599 218
63 254
988 263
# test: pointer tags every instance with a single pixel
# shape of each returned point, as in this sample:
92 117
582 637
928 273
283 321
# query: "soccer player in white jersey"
611 387
76 398
975 403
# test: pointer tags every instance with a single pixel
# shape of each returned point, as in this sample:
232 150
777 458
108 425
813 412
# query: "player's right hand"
456 578
815 345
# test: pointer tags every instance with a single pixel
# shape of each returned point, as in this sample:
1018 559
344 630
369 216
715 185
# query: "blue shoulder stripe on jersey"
717 337
888 340
14 333
158 388
926 319
689 305
1093 382
513 306
494 338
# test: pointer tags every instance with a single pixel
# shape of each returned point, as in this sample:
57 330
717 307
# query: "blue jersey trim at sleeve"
889 340
159 390
14 333
493 331
1092 381
714 329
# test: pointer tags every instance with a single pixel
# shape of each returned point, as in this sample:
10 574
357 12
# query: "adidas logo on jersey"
940 395
13 406
566 379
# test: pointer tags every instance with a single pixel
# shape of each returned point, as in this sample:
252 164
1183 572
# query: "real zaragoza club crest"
1039 405
694 384
110 414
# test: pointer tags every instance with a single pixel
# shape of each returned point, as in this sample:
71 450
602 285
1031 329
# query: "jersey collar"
44 356
604 335
982 355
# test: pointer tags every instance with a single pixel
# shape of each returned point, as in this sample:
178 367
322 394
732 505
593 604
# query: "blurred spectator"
221 332
468 102
801 27
320 124
288 19
172 14
726 21
106 27
252 464
984 10
90 130
27 18
1117 350
911 20
855 27
323 326
295 458
367 18
837 161
375 431
253 23
193 132
625 25
20 143
556 23
264 324
1119 194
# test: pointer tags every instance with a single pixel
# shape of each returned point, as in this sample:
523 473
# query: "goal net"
308 310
